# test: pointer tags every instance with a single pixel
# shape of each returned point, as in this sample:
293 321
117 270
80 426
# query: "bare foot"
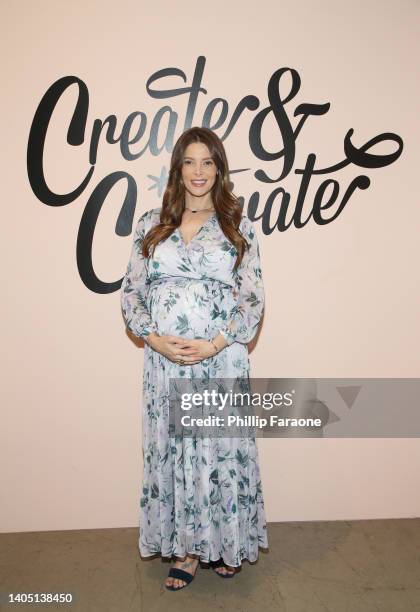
189 565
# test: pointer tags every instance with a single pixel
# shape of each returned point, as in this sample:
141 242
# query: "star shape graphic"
159 182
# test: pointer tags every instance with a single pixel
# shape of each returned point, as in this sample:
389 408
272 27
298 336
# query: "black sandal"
220 563
176 572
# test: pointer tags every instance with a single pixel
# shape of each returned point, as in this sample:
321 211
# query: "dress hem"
207 561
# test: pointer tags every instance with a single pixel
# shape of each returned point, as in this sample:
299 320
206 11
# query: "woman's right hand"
172 347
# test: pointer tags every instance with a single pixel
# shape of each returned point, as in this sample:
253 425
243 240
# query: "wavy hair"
226 204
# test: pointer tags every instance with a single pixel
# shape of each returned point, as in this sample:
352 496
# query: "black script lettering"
88 223
37 135
289 136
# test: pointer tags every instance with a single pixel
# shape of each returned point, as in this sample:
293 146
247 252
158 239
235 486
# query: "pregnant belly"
190 308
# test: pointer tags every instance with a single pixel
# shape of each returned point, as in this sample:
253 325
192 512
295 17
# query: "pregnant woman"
194 292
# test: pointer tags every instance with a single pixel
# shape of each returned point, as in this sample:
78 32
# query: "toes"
175 583
224 570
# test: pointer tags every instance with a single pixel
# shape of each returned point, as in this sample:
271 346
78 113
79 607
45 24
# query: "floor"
354 566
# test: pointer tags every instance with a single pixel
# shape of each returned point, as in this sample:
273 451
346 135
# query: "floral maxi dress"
199 496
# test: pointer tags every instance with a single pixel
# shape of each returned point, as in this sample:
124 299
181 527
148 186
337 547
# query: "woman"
194 292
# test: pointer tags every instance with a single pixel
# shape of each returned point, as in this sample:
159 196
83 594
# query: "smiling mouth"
199 183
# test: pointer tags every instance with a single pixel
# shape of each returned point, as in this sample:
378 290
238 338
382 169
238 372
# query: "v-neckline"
187 244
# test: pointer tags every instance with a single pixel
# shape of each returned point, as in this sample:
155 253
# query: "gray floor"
341 566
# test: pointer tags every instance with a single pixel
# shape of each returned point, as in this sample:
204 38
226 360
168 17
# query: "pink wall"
342 298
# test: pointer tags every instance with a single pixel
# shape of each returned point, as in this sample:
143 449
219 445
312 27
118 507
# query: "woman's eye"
207 162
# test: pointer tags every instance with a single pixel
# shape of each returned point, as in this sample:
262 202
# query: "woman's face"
198 169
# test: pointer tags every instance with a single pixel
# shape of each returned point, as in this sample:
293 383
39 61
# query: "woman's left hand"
195 350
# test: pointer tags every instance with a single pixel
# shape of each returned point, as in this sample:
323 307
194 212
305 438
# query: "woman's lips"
199 183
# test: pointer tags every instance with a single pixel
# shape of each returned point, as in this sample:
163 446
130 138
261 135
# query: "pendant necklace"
198 210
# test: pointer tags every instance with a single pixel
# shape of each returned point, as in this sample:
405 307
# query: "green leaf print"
243 500
184 268
171 301
183 324
214 497
252 299
196 496
214 476
217 313
242 458
155 275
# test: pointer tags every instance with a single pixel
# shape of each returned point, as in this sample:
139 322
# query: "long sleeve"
246 314
134 287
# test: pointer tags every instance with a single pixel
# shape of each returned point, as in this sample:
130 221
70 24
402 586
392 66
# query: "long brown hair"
226 204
